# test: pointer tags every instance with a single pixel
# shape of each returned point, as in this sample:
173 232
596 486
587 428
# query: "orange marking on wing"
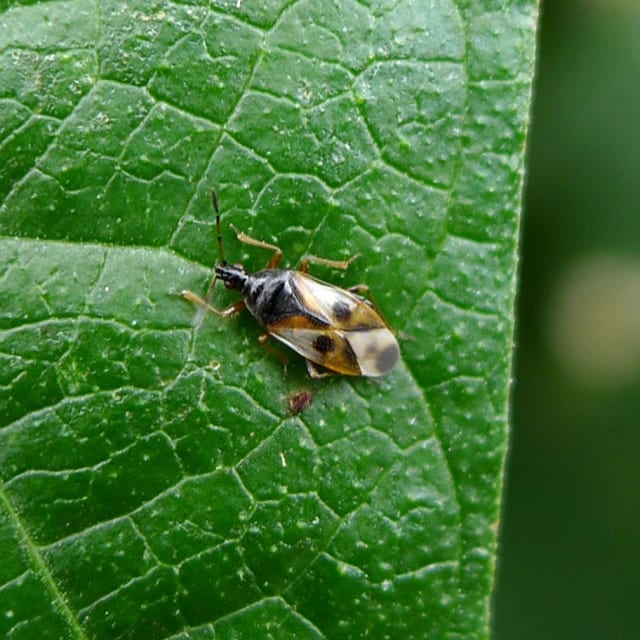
296 323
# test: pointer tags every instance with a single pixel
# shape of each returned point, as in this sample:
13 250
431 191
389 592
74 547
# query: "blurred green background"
570 537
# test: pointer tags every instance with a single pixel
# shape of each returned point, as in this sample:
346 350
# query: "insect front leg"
336 264
277 252
236 307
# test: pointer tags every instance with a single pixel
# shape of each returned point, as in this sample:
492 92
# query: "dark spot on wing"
324 344
387 358
342 310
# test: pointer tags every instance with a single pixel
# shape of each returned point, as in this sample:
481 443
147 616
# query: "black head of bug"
233 275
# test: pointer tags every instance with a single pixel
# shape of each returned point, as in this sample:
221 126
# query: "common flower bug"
335 328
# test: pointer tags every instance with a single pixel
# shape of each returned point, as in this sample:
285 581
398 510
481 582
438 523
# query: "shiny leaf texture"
155 481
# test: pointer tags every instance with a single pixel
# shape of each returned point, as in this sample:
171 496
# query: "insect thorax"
270 295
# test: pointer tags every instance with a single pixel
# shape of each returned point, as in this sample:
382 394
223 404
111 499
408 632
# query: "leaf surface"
154 482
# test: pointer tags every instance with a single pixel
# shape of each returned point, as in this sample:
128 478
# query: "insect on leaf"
154 482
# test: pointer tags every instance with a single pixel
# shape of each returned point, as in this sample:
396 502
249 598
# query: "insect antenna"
214 200
202 310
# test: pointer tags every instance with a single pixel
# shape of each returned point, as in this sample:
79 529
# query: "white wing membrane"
376 350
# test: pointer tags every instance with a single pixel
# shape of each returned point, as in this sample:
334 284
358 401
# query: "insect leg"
274 352
277 252
315 373
203 304
336 264
360 289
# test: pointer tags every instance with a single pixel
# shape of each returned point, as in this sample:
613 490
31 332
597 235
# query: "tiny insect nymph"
337 329
299 401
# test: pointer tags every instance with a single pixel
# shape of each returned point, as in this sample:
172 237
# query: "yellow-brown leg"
336 264
315 373
277 252
236 307
274 352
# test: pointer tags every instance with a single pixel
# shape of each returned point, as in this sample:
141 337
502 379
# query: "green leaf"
154 482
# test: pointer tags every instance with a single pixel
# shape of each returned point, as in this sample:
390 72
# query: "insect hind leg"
263 340
315 373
